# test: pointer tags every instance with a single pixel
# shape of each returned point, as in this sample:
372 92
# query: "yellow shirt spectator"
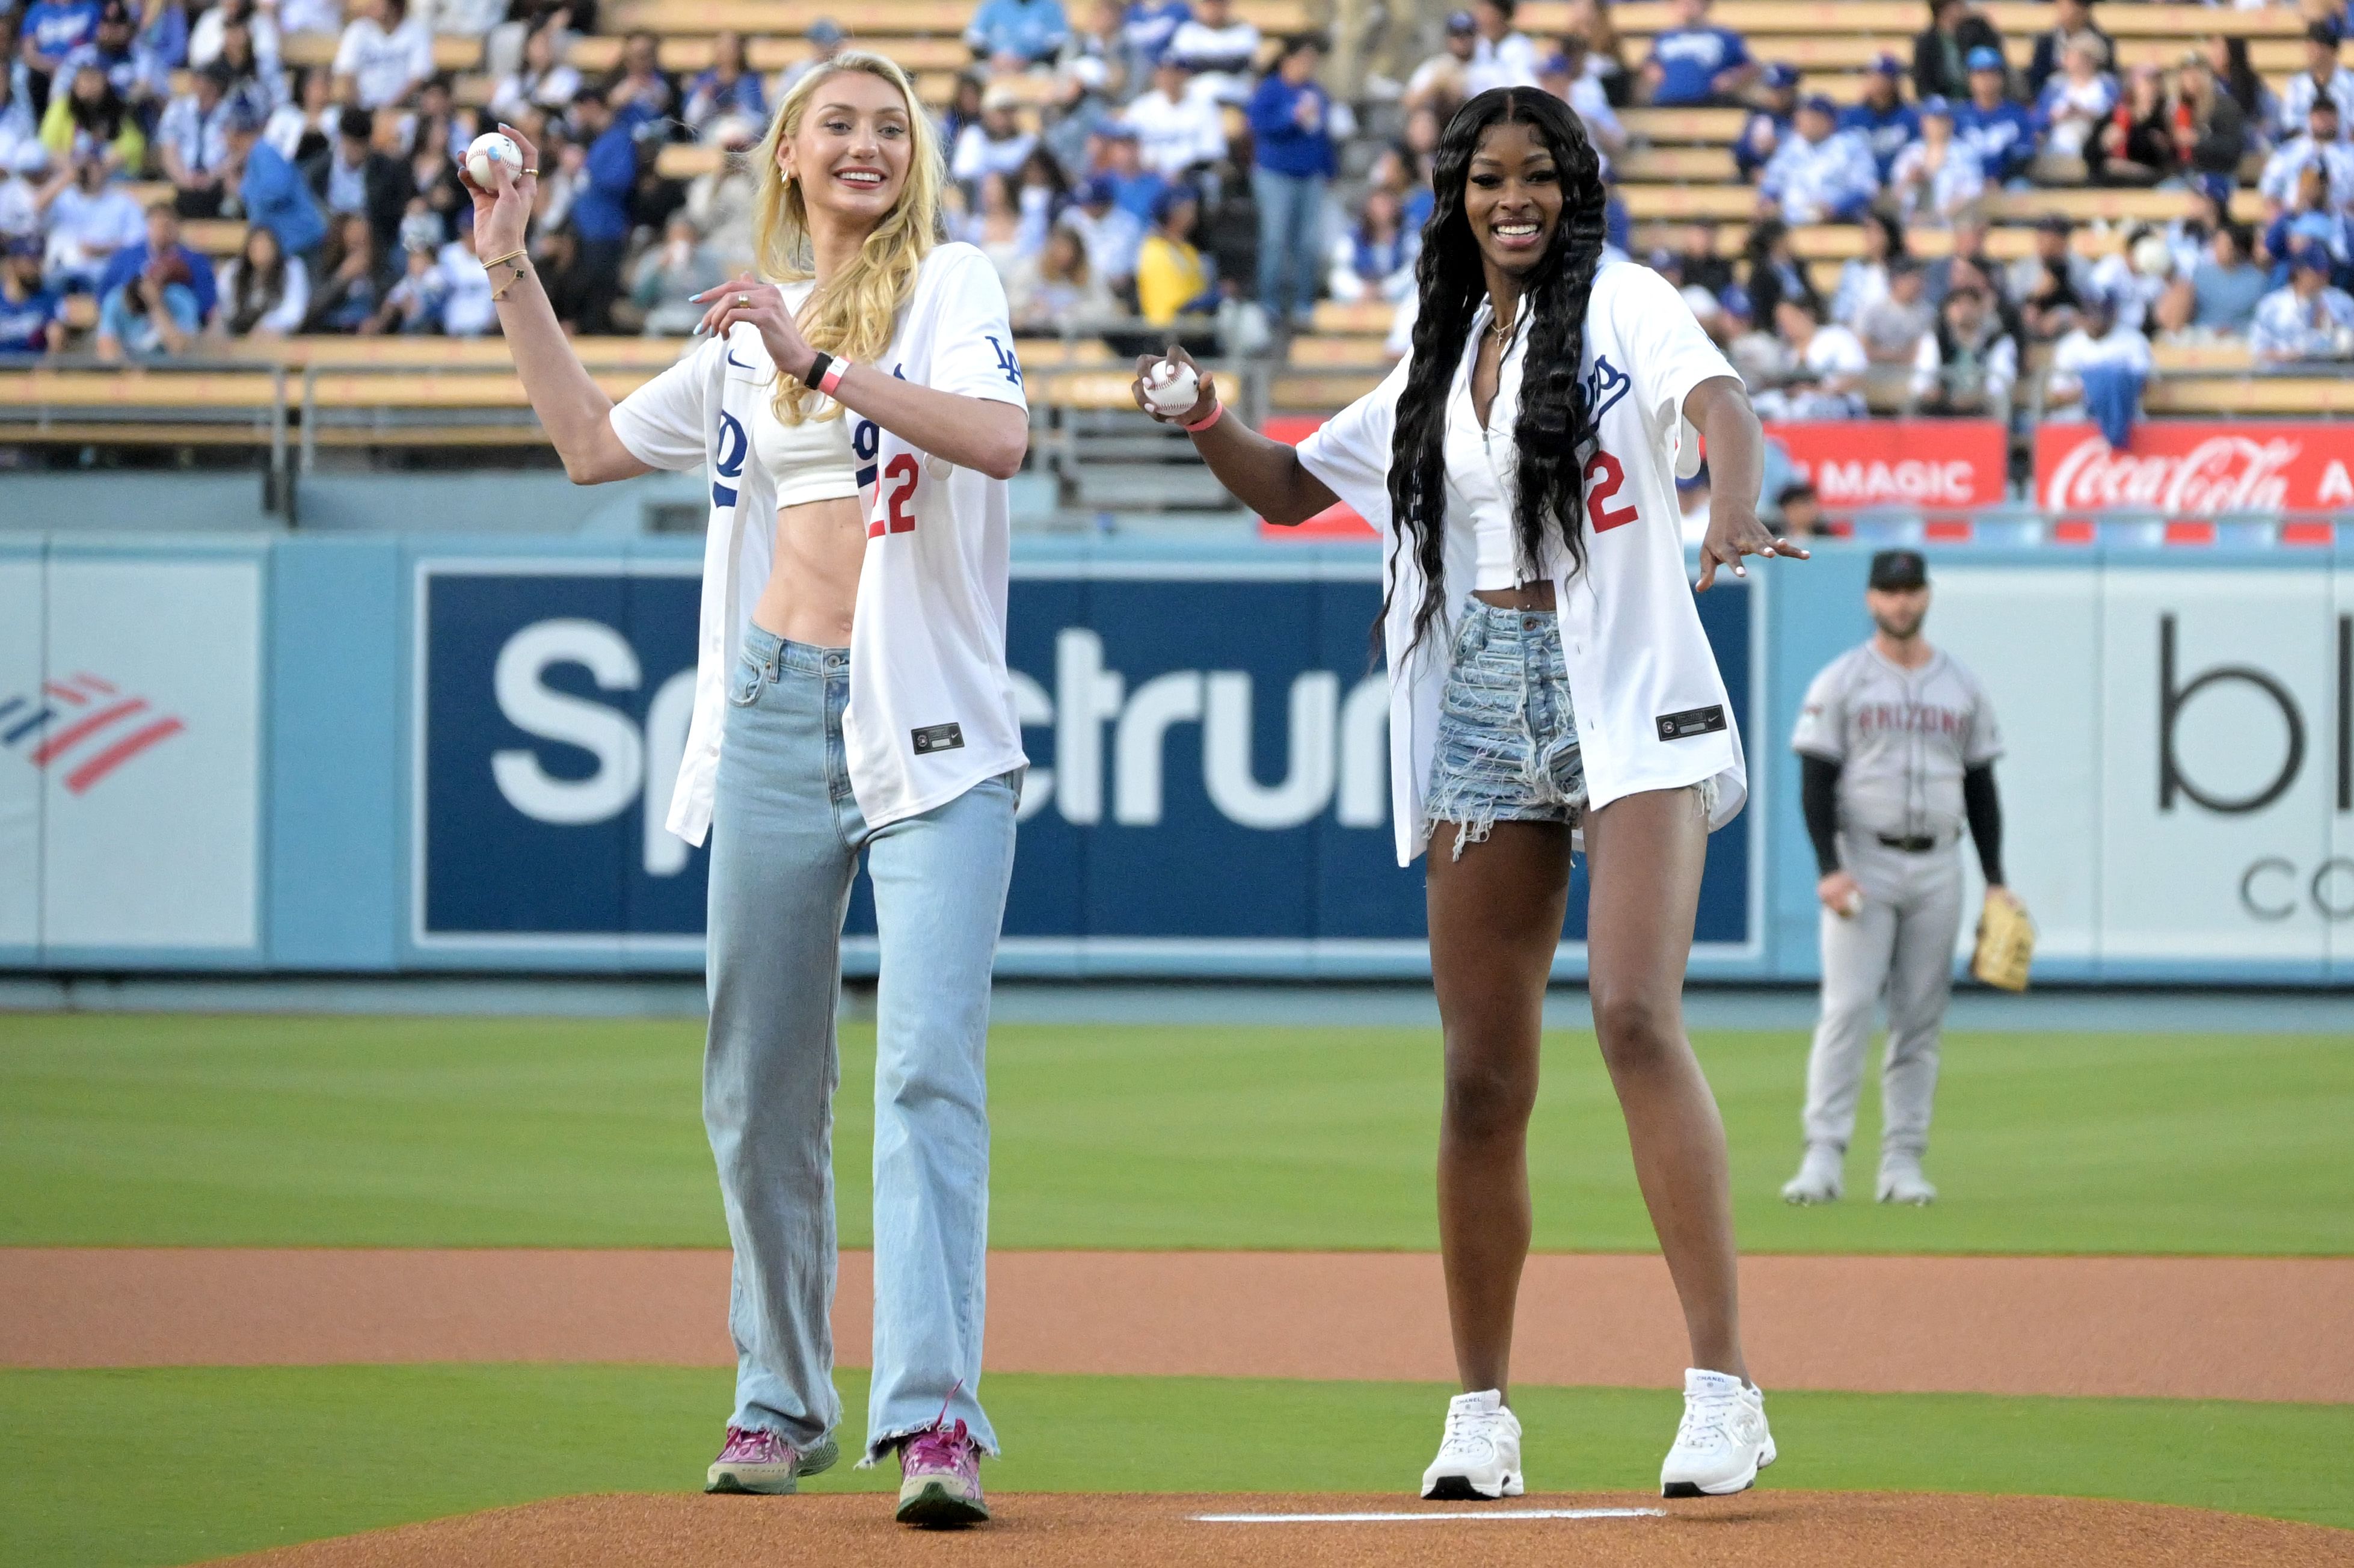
1169 277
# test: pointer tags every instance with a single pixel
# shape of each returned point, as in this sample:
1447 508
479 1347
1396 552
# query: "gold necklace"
1501 331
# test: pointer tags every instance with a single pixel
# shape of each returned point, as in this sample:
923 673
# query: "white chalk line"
1428 1518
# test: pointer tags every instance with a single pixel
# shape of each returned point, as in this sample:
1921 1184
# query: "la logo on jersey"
1005 360
1605 385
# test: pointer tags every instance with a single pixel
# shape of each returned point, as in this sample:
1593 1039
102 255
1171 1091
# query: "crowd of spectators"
1160 159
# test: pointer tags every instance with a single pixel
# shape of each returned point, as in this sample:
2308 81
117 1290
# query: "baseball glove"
2005 945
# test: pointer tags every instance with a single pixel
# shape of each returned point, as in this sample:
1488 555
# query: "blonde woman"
856 409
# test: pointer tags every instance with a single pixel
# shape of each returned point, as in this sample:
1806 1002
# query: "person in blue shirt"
1018 34
29 320
1885 121
1693 63
163 239
47 33
272 192
2000 130
1149 25
1290 121
601 213
1135 190
1769 125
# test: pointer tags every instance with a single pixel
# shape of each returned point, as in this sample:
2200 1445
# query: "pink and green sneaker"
764 1463
939 1487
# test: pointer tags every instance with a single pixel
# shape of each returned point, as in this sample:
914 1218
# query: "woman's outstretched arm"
1719 409
1265 475
571 406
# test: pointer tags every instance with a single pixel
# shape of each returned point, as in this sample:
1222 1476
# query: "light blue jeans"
1290 241
785 840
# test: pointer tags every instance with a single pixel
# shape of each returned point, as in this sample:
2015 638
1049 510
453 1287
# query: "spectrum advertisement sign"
1208 785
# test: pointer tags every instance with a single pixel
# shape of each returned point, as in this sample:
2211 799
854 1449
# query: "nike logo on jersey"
737 363
1692 722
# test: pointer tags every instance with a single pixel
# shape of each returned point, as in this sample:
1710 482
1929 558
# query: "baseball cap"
2309 255
1118 130
1886 66
1735 301
23 245
2056 223
1796 490
1821 103
1984 58
1002 95
1779 75
1555 64
1461 22
1095 190
826 30
243 120
1895 570
2324 33
1936 107
1168 200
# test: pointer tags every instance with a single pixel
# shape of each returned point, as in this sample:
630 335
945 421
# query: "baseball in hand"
490 148
1171 388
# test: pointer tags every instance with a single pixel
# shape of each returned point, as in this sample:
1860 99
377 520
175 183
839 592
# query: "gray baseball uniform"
1902 740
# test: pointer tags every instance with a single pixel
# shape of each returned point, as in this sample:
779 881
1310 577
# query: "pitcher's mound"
1766 1530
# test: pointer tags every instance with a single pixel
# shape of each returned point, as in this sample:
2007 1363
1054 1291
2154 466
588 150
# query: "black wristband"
818 368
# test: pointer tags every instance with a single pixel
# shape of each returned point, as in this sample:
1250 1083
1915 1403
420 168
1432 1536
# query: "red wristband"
1217 412
832 379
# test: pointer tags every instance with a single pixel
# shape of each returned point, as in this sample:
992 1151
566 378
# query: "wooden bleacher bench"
134 405
451 51
1670 126
1904 18
1649 166
2250 395
767 52
2206 358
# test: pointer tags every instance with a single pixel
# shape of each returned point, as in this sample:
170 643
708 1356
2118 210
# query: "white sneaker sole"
1466 1489
1724 1489
1808 1197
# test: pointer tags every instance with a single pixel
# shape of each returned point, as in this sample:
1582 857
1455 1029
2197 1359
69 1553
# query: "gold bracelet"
501 261
521 273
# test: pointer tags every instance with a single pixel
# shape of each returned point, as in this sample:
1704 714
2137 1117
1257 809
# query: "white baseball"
1854 904
1171 388
488 150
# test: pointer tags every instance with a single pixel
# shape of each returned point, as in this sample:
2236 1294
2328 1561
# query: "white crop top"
810 462
1481 464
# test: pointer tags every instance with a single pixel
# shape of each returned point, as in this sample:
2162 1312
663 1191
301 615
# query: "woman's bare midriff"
812 587
1535 595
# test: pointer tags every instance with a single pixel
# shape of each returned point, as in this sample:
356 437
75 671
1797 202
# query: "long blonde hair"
853 312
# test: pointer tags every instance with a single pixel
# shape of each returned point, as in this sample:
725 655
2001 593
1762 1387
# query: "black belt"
1921 845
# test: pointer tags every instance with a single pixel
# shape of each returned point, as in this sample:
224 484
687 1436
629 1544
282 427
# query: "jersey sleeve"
1982 741
1668 355
1350 451
661 423
1822 720
972 337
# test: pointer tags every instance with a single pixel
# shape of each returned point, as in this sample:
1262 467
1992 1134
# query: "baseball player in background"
1896 747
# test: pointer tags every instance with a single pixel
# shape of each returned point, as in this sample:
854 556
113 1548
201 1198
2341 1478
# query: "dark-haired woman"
1551 688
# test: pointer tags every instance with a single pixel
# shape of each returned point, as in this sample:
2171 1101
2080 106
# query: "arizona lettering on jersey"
1903 739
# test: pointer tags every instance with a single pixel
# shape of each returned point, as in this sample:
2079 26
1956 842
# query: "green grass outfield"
161 1130
108 1469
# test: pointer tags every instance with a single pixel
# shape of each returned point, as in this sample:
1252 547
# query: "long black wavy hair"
1556 421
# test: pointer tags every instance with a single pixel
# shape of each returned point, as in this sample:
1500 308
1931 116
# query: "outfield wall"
373 754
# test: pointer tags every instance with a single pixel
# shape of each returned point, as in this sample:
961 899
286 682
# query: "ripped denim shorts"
1507 747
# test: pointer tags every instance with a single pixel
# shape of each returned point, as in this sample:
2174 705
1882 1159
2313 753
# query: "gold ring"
529 174
743 301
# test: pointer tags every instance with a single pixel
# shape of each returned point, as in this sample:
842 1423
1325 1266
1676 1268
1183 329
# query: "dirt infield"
2179 1327
1759 1529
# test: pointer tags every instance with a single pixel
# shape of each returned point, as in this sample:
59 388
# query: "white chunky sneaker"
1479 1456
1818 1179
1900 1181
1723 1442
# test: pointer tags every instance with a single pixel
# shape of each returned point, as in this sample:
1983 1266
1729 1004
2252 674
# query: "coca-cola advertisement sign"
1898 462
2193 469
